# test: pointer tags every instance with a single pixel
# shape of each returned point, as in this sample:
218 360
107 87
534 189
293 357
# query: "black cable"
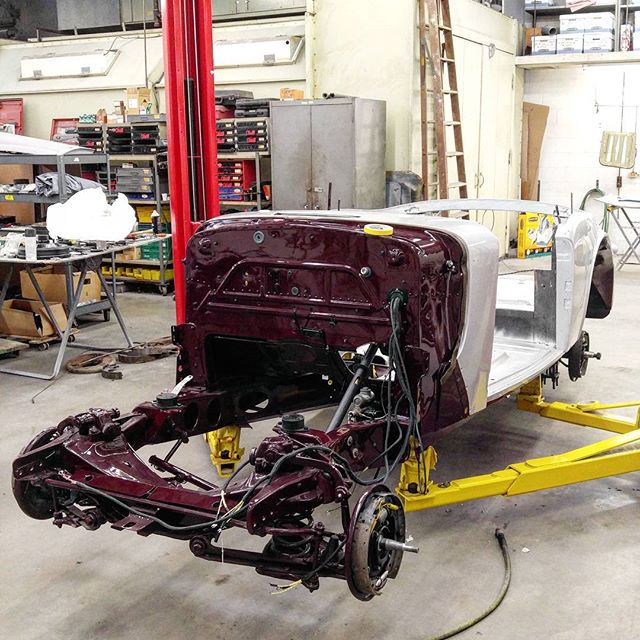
326 561
397 365
506 581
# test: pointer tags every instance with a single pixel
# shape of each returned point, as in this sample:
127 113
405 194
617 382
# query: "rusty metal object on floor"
153 350
111 372
89 362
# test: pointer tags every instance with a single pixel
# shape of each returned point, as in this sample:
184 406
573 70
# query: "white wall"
362 48
583 102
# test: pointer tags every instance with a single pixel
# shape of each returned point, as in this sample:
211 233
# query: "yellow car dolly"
612 456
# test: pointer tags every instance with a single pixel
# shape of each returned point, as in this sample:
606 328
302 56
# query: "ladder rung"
456 185
447 59
443 27
449 91
447 123
449 154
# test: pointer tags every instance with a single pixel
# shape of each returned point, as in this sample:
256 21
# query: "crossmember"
593 461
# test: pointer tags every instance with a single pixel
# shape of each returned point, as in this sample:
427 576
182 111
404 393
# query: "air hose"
502 541
597 191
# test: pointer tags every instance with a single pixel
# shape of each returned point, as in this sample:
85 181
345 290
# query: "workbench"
616 205
82 260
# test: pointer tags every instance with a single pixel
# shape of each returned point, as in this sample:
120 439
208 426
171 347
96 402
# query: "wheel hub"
376 542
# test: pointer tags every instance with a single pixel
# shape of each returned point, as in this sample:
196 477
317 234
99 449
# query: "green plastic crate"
152 251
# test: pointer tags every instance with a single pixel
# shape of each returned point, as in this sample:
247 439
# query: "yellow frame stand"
226 451
594 461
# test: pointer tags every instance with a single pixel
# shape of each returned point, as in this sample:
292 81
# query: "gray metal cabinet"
231 7
87 14
137 10
328 154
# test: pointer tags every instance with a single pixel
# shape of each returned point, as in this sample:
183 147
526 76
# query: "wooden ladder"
436 45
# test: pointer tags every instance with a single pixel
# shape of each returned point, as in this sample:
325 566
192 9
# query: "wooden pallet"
42 344
10 348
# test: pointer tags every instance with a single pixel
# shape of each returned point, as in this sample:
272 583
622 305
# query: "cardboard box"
291 94
543 45
52 281
534 123
604 21
29 319
572 23
594 42
528 35
570 43
138 101
132 253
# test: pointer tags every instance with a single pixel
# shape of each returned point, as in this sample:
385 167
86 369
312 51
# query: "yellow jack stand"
594 461
226 451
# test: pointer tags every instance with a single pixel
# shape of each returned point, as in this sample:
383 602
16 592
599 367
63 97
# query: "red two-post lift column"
191 125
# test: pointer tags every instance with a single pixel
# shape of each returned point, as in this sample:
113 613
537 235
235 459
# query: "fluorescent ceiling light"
254 53
68 65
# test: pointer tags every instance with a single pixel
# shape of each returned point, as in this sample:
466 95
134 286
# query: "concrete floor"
578 580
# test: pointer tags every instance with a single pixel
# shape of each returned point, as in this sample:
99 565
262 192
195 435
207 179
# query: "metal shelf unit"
240 157
618 7
61 163
161 204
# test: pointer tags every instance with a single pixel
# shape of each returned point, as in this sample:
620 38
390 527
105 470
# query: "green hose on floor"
502 541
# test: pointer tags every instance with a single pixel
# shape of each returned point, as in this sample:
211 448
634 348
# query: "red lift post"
191 125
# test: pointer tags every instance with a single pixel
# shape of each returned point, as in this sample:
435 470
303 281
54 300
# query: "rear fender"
601 291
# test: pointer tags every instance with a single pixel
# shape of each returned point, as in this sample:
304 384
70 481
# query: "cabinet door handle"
481 183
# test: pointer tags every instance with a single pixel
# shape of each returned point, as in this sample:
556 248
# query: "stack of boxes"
138 101
149 137
235 179
586 33
91 137
137 183
225 135
118 139
252 134
242 134
253 108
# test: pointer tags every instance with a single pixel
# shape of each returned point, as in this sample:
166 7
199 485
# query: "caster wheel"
71 338
43 346
164 290
106 314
